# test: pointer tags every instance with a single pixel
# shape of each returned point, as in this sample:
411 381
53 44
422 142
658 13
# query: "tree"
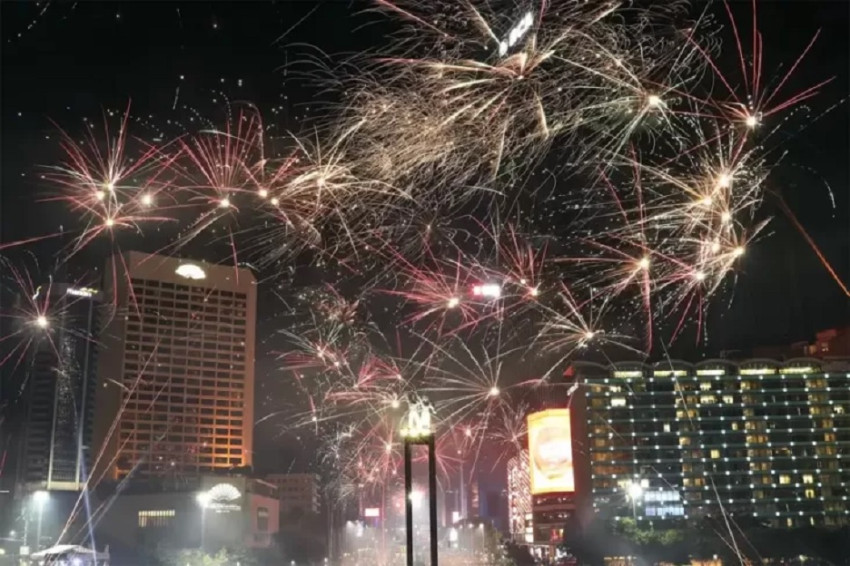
197 557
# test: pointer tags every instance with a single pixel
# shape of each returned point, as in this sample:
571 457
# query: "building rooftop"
711 367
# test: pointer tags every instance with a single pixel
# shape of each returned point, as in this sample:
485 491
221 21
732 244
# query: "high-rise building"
519 499
177 368
297 492
59 390
761 438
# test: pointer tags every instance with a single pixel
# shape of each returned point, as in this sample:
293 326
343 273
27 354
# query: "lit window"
808 478
666 427
618 401
262 519
705 386
784 479
810 494
715 453
155 518
728 399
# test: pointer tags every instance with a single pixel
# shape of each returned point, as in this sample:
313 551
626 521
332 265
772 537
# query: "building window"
262 519
784 479
715 453
808 478
810 494
618 401
155 518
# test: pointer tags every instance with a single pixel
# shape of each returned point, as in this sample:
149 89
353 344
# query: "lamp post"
40 497
635 492
203 500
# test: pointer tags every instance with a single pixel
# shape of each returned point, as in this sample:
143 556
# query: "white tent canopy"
70 551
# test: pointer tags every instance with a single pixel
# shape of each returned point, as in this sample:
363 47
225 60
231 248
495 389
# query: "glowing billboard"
551 452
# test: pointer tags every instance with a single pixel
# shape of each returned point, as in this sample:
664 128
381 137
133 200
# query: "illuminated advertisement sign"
190 271
80 291
551 452
489 290
223 498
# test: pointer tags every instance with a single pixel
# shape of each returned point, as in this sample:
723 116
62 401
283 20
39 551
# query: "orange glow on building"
176 369
551 452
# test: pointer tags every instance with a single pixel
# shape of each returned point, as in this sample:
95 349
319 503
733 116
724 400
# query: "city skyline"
575 244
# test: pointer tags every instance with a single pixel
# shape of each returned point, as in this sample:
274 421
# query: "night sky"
62 61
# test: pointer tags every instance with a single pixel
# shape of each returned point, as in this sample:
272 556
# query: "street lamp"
203 499
635 492
40 497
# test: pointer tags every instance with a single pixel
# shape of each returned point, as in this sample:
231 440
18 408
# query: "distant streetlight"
40 498
416 497
203 499
635 492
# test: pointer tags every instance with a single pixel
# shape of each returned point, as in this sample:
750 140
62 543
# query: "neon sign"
516 33
190 271
80 291
489 290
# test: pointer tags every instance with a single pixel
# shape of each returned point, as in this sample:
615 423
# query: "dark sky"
65 60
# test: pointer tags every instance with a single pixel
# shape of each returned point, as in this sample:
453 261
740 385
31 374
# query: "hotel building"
177 368
760 438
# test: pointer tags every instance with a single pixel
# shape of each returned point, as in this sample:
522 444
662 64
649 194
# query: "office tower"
759 438
177 369
59 390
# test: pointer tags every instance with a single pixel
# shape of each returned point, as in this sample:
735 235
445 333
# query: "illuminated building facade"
209 511
177 369
59 389
297 492
762 438
519 499
558 473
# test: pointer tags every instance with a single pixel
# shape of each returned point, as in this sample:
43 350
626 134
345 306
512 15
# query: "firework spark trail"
459 115
33 318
